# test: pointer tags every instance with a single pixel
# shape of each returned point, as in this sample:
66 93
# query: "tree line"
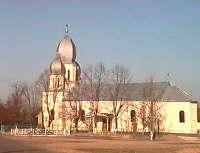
23 103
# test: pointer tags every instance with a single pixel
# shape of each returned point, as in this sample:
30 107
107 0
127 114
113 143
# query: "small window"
181 116
58 85
68 75
133 115
198 114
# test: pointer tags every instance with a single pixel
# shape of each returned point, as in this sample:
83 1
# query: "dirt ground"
96 144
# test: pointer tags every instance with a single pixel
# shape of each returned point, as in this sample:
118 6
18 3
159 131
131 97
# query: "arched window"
133 115
68 75
82 115
182 116
58 85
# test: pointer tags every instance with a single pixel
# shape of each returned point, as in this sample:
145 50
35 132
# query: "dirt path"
92 144
8 145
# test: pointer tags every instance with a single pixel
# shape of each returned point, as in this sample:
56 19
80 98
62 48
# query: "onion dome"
57 67
78 71
66 50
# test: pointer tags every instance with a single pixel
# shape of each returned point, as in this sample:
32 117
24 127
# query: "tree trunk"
116 124
76 125
94 125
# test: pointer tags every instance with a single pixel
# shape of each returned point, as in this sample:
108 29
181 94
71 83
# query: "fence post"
45 131
64 132
15 131
69 132
33 131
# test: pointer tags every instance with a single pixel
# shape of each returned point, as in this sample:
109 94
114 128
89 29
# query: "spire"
66 29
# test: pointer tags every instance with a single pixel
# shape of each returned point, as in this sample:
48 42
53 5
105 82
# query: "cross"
66 28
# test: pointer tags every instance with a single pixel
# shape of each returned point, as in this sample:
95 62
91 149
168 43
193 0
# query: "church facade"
178 111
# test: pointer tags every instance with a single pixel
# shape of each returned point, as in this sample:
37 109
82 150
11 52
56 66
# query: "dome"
66 50
57 66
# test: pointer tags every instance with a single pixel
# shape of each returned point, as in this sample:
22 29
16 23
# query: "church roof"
161 91
66 50
57 67
141 91
172 93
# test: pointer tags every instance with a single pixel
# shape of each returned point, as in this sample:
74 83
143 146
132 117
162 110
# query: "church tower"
64 75
64 70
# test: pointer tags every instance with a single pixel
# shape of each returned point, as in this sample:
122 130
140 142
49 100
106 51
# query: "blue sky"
151 37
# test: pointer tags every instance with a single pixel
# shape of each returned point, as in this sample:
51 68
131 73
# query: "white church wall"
172 123
72 71
170 112
193 112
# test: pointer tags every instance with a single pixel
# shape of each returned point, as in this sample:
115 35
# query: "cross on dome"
66 29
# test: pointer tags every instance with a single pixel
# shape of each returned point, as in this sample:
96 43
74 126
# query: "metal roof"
161 91
172 93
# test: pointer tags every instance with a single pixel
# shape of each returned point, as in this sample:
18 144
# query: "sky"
150 37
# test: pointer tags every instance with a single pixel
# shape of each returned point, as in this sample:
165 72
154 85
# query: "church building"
179 109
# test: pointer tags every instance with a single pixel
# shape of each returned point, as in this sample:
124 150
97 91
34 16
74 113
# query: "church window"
182 116
58 85
68 75
198 114
51 115
54 83
82 115
133 115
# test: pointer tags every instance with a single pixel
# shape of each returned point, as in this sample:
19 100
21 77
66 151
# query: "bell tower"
66 50
64 75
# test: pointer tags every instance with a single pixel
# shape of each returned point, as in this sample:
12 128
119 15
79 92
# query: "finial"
66 29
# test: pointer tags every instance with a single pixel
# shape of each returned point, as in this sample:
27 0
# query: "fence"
7 128
39 132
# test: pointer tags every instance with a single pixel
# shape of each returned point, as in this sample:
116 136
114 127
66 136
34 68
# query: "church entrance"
106 120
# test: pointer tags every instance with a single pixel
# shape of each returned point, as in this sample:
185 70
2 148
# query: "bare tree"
42 81
120 77
72 109
31 101
150 112
14 105
50 107
24 98
142 114
95 78
42 86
